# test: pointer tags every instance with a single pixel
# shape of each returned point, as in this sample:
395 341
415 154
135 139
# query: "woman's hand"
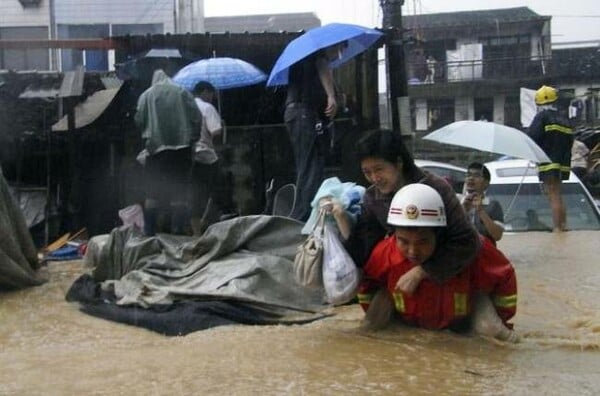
335 208
409 282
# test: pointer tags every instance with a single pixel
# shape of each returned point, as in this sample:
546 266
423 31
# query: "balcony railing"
500 69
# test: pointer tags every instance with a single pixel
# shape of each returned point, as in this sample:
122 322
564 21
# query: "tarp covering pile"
239 271
18 255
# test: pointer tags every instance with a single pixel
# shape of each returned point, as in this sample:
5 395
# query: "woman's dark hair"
387 145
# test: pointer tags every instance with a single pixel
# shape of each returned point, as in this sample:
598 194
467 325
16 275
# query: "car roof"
427 163
517 171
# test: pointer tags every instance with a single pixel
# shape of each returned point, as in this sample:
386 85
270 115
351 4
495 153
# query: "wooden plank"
60 242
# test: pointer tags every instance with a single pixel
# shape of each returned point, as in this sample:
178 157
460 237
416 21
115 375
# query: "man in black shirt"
310 108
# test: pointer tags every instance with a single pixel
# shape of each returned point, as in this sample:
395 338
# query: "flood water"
49 348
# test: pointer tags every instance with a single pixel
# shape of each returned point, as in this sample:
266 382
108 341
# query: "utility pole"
396 65
54 64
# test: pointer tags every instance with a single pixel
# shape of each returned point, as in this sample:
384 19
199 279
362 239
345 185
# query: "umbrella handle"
512 202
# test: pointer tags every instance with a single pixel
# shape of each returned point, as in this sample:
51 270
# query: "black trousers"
309 148
167 176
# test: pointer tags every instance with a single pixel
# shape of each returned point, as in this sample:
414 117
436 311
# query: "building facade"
471 65
577 75
88 19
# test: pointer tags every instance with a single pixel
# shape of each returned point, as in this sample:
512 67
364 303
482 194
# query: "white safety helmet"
417 205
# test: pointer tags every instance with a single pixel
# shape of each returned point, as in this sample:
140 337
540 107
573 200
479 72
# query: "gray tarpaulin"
18 255
247 259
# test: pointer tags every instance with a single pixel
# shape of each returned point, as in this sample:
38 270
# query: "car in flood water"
515 184
455 175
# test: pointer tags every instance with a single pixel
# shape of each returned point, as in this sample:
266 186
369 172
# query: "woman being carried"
387 165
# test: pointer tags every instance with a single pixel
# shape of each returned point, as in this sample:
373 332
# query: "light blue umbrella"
222 73
359 39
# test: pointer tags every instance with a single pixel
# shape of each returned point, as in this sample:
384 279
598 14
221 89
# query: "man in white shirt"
205 157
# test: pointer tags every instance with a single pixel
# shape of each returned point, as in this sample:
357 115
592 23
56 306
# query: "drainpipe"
53 51
175 16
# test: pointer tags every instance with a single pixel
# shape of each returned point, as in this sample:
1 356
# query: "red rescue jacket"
438 306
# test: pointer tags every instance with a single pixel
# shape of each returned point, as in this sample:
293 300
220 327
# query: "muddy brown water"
49 348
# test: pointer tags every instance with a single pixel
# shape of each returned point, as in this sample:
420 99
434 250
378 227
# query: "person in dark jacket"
310 108
388 165
553 133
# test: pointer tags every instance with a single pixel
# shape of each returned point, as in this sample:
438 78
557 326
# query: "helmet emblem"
412 212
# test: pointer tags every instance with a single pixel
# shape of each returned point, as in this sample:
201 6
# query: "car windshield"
530 210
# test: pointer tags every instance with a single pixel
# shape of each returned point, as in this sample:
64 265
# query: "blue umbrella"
359 38
222 73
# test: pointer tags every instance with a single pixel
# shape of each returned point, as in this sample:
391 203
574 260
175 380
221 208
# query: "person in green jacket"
170 122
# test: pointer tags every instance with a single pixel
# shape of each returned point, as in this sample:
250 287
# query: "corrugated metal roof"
580 64
470 18
163 53
292 22
89 110
32 93
111 82
47 86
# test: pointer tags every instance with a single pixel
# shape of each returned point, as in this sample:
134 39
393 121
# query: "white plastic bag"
340 274
132 215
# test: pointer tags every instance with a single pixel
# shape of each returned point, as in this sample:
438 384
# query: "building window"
440 112
484 109
91 59
24 58
507 56
512 110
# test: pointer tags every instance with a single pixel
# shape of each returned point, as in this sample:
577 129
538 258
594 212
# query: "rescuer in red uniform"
484 295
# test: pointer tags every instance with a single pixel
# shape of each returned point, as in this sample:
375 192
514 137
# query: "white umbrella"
491 137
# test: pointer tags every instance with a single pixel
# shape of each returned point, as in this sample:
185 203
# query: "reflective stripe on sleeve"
558 128
460 304
505 301
364 298
399 302
553 166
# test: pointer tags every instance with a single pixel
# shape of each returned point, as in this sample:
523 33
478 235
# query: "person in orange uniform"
417 214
